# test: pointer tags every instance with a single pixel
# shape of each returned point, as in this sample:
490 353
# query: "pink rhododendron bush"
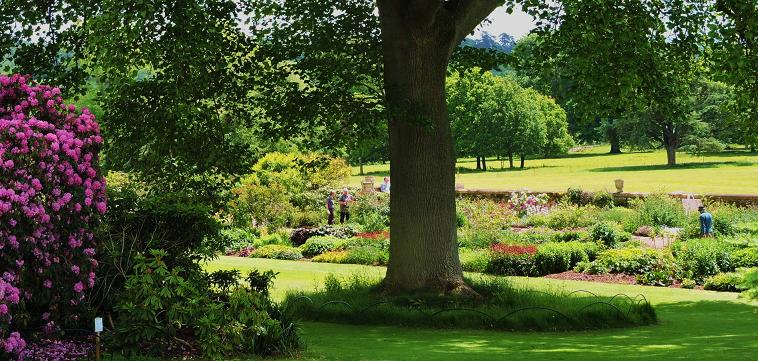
51 192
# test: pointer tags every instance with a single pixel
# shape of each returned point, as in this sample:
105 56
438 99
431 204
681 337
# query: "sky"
516 24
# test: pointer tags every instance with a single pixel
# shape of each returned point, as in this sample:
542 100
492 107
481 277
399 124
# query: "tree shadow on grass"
506 169
691 165
704 330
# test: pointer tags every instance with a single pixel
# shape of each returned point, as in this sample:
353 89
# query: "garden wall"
621 198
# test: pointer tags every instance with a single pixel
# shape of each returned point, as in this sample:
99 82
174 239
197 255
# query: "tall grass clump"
357 299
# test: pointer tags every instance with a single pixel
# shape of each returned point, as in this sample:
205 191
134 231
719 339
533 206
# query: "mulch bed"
605 278
619 278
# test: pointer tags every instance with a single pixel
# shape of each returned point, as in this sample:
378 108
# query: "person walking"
385 187
706 222
345 200
330 207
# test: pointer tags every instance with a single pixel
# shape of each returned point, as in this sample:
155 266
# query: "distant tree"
643 61
558 139
715 104
528 130
734 40
471 105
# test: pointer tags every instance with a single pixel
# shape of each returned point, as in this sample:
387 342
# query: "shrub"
688 283
704 257
318 245
750 284
163 309
307 218
561 257
512 260
659 210
663 278
633 261
276 251
371 211
570 216
368 255
355 242
331 257
602 199
570 236
301 235
724 282
746 257
474 260
575 196
51 195
479 237
607 234
234 239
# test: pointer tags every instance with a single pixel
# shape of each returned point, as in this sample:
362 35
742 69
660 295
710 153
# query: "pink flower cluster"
51 192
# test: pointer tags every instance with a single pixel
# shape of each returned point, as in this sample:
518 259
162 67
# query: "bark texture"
418 38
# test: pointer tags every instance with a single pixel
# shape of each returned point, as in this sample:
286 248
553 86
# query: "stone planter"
619 185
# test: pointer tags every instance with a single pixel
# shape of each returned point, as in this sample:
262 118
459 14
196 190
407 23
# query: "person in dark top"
330 207
345 200
706 222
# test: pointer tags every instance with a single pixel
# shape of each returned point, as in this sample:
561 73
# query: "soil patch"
605 278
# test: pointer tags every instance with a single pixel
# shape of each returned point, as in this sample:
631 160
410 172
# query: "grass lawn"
694 325
594 169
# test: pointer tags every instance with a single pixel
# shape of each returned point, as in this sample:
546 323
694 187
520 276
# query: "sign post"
98 329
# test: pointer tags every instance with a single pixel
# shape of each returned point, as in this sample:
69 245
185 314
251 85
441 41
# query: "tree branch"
467 14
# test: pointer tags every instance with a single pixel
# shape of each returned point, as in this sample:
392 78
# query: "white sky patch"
517 24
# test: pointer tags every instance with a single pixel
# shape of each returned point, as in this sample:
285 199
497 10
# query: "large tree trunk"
478 163
484 164
510 160
523 158
424 249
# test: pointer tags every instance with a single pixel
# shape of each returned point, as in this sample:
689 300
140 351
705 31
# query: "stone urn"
367 185
619 185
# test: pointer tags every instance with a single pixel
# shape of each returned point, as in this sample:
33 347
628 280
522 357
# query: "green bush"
474 260
746 257
355 242
724 282
480 237
570 216
606 234
663 278
569 236
561 257
331 257
659 210
236 238
371 211
750 283
273 238
275 251
688 283
307 218
702 257
632 261
162 309
315 246
367 255
575 196
602 199
518 263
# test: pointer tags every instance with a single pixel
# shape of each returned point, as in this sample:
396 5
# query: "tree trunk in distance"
523 158
424 249
671 155
484 164
613 138
510 159
478 163
360 162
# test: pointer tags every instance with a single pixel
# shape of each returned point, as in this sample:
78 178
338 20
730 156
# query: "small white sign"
98 324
